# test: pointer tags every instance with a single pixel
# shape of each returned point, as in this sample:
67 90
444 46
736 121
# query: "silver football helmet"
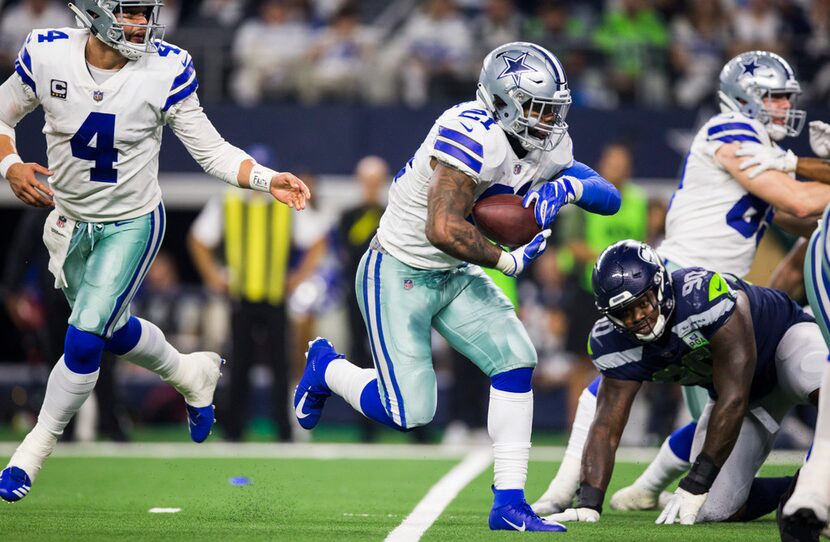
751 77
102 18
525 89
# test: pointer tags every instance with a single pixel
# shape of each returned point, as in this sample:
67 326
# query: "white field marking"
164 510
440 496
325 451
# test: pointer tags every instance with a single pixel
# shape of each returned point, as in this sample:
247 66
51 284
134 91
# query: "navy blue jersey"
704 302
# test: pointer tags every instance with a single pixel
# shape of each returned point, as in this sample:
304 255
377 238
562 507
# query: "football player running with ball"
753 349
422 270
106 91
735 181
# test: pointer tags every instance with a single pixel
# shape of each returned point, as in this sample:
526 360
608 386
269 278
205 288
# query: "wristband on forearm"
589 497
7 162
701 476
260 178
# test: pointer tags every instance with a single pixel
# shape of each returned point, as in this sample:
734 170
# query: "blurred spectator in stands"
255 230
500 23
756 24
19 19
433 55
218 14
815 63
338 59
269 51
699 40
169 17
634 39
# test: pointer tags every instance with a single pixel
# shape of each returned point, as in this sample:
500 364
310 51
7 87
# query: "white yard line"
440 496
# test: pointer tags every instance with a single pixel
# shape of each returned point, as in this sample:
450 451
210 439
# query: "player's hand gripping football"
290 190
27 187
513 263
763 158
820 138
684 506
587 515
549 198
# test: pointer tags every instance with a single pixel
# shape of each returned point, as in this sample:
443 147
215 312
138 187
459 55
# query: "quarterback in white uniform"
422 269
107 90
735 180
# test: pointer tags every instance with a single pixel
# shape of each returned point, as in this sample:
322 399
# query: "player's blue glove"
549 198
513 263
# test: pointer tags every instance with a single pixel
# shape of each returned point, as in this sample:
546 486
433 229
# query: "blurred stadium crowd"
617 53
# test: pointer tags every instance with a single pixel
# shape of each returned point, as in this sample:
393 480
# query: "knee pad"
82 351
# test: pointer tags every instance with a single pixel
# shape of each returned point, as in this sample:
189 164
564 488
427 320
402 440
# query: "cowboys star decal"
750 67
515 67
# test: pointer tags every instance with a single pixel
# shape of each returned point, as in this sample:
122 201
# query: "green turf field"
109 498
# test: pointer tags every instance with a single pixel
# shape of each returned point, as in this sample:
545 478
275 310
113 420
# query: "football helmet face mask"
748 84
525 89
106 19
629 280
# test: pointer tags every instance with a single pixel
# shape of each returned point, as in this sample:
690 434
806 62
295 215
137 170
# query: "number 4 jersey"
712 220
704 302
103 139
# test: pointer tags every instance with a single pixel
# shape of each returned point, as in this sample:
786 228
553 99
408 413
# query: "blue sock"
680 441
125 339
593 387
507 496
763 497
514 381
373 408
82 351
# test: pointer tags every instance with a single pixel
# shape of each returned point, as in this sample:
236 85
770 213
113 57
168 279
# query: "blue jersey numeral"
51 36
754 224
165 49
104 153
477 114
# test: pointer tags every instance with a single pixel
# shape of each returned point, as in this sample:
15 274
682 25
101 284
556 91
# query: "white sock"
814 480
663 470
348 381
509 422
154 353
66 391
564 485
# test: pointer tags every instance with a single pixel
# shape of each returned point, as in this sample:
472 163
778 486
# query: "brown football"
503 219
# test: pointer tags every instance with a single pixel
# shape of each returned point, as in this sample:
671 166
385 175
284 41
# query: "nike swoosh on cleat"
522 528
298 410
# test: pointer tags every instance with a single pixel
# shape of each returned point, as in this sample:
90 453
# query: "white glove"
587 515
764 158
513 263
820 138
684 505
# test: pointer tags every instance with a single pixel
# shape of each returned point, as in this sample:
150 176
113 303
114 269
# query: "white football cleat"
198 376
634 497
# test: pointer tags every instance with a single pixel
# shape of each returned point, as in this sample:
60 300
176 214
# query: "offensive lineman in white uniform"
735 179
422 269
107 90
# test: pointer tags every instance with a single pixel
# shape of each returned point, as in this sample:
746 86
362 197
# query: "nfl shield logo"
407 284
517 169
61 221
98 95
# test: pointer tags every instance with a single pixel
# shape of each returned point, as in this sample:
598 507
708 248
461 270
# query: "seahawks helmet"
625 273
749 78
525 89
102 17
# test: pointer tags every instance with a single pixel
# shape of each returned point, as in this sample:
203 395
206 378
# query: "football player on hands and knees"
805 513
753 349
422 269
107 90
735 181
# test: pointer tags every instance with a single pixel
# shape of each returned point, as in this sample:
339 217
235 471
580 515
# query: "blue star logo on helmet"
515 67
750 67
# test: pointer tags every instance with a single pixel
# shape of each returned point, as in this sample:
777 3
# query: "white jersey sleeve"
16 101
468 143
713 221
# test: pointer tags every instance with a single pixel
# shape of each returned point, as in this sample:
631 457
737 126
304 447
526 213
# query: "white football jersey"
103 140
467 138
713 221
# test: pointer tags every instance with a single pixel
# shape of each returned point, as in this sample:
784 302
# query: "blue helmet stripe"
458 154
731 126
461 139
558 70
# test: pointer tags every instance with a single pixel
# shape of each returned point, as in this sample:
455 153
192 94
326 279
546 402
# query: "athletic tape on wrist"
260 178
8 162
589 497
701 476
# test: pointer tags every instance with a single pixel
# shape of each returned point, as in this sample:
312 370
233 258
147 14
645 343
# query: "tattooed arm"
449 203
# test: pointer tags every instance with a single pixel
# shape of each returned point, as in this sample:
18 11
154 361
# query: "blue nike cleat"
14 484
312 391
517 515
199 421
